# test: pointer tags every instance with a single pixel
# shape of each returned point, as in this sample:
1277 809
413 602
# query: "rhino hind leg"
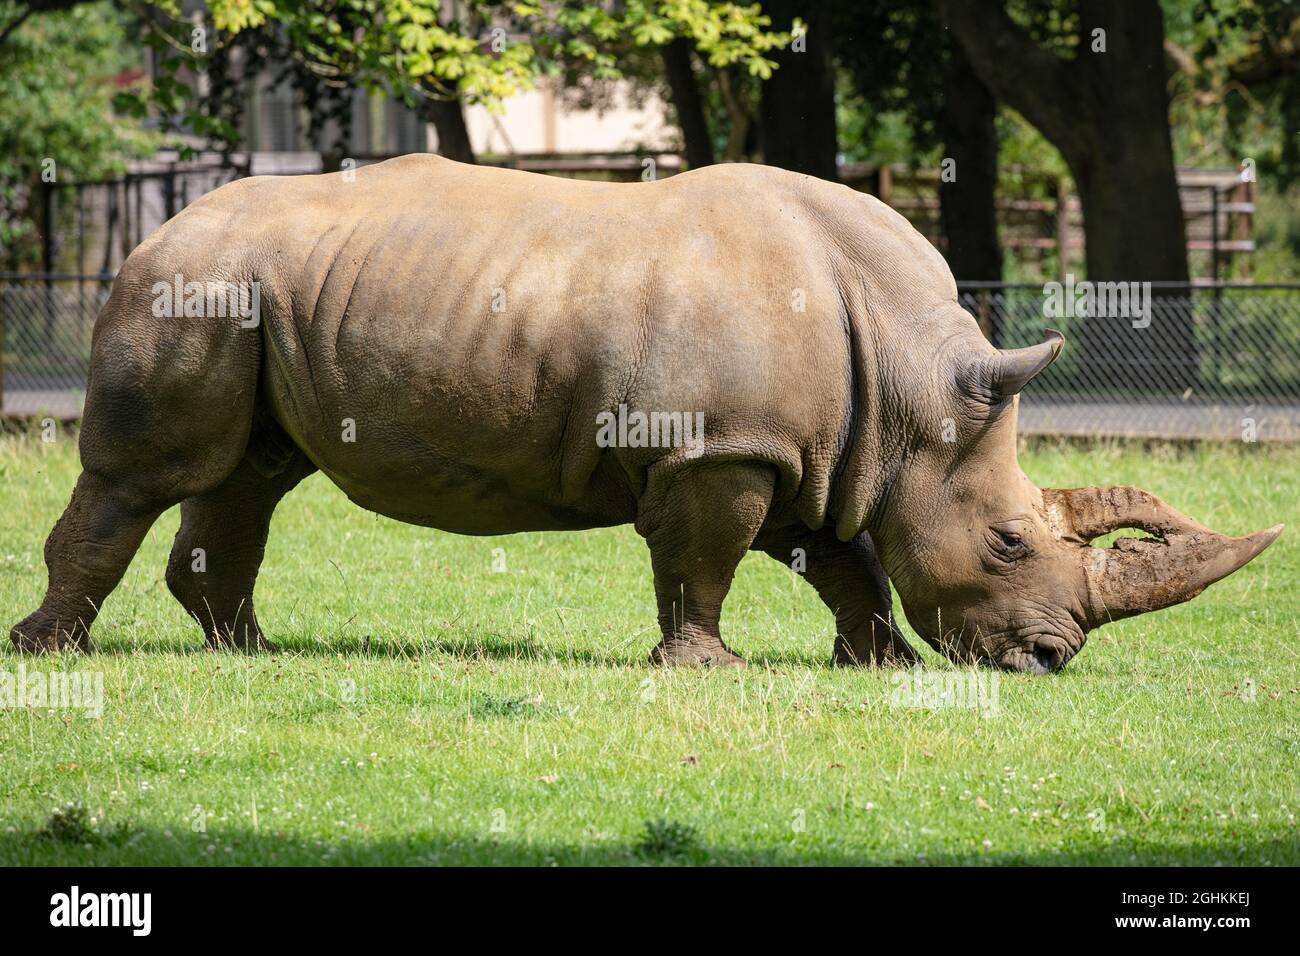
850 581
114 503
219 547
169 409
86 555
698 523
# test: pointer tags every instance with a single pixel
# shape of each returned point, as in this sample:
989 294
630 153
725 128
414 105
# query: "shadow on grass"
244 847
486 646
497 647
633 653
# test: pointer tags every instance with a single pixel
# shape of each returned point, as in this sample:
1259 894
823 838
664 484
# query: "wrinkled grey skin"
471 324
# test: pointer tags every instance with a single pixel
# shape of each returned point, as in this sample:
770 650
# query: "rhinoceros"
737 358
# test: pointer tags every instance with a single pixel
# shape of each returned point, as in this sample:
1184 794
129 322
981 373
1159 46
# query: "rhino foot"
36 634
251 642
694 654
866 650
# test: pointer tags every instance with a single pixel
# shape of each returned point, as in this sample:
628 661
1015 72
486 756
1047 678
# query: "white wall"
535 122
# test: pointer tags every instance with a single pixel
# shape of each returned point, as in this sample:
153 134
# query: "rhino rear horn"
1139 575
1011 369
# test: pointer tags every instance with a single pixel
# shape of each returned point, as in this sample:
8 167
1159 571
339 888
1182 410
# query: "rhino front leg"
699 522
218 550
850 581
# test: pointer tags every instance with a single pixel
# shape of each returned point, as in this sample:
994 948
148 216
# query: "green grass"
429 710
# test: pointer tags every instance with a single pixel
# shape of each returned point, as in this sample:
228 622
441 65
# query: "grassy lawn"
430 709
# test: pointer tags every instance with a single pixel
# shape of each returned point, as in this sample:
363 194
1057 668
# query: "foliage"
666 839
57 75
893 54
484 53
69 824
1236 85
1235 91
1234 79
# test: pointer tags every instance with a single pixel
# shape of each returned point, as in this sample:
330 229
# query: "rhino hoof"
35 636
896 654
694 655
254 643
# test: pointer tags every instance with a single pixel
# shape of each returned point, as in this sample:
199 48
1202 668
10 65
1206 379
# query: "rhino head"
992 569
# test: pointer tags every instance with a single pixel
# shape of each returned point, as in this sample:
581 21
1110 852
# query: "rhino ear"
1011 369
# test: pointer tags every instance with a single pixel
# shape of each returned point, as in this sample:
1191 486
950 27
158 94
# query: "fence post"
48 256
996 332
169 193
1214 233
126 216
1062 229
47 217
883 183
81 239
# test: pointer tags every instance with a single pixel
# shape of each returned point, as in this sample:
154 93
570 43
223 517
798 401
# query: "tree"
968 187
14 13
1106 109
1237 89
797 110
57 73
898 59
484 51
729 101
688 102
1105 106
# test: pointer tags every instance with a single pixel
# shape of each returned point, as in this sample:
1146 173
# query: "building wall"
536 122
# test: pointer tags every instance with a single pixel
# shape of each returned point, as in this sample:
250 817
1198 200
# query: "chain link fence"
1174 361
1183 362
45 329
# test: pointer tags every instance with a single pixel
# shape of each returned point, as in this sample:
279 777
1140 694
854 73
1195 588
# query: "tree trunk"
1134 234
968 194
448 119
742 131
1108 113
688 104
797 108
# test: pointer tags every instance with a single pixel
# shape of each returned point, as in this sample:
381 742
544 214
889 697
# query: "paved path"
1182 420
62 404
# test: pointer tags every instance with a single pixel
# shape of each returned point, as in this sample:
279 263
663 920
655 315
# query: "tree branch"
687 103
37 6
14 24
1035 82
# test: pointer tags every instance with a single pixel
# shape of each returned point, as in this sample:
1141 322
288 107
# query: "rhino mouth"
1038 654
1030 650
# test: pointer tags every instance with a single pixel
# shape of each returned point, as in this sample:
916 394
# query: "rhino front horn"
1139 575
1005 374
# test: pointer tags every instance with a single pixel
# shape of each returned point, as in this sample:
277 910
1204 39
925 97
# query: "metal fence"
1186 362
1175 361
45 327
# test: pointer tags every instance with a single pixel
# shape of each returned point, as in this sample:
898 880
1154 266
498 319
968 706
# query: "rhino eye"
1009 545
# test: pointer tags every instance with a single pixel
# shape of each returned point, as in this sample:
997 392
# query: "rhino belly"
411 431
